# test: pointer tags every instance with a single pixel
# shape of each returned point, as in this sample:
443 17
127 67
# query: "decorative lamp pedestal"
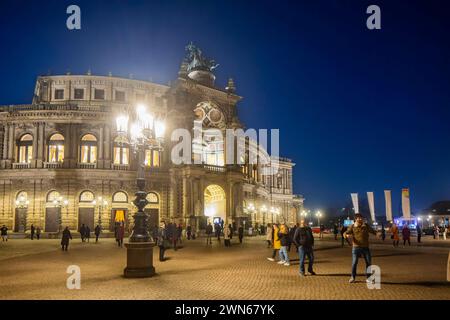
139 260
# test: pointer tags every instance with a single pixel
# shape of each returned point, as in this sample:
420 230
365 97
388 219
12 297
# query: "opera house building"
65 163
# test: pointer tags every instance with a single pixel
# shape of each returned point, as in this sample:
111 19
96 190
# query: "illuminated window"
120 196
25 148
213 153
56 148
152 197
88 152
152 158
86 196
52 196
121 151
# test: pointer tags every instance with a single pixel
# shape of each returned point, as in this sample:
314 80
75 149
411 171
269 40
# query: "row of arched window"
86 196
88 150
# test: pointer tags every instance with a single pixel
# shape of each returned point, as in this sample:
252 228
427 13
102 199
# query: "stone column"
107 149
11 146
74 145
5 145
35 146
100 149
40 146
67 144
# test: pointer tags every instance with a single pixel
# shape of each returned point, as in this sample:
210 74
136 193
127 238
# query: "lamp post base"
139 260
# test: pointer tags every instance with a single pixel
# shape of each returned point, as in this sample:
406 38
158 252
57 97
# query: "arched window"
52 196
86 196
152 197
121 151
25 148
120 196
56 148
152 158
88 147
213 151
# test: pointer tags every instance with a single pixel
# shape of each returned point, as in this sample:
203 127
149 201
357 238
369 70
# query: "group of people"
227 231
35 231
280 237
168 235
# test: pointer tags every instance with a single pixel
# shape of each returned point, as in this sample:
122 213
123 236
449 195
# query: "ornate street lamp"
61 203
101 203
146 133
318 215
264 211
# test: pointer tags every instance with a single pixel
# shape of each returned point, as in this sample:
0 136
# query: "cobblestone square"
37 270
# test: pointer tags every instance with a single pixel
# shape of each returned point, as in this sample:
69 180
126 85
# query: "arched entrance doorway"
215 204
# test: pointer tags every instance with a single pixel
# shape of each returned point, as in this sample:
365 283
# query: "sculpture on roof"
196 60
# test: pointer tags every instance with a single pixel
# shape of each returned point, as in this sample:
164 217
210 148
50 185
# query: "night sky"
358 110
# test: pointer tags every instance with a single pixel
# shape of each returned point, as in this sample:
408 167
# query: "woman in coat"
66 237
269 235
283 235
161 240
394 236
276 242
227 236
120 233
406 234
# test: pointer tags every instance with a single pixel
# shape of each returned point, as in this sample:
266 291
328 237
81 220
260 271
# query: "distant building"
439 212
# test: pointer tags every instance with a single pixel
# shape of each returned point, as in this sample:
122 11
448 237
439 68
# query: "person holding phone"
359 232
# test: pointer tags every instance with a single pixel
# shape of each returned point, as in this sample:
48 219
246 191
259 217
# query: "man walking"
335 231
240 233
419 233
209 231
188 232
304 240
87 234
82 232
359 231
4 233
97 231
66 237
32 230
38 232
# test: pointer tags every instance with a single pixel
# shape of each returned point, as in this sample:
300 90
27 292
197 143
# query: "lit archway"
215 202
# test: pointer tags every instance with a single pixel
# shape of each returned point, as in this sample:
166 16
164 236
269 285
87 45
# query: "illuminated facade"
63 163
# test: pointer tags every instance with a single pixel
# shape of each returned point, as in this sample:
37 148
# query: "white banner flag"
406 207
371 205
388 199
355 202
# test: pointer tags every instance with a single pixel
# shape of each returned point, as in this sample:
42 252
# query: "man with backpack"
304 240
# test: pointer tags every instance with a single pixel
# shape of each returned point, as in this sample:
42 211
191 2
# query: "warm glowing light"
147 120
135 131
141 111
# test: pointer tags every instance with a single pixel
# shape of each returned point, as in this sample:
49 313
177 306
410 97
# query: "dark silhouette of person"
66 237
82 232
97 231
32 230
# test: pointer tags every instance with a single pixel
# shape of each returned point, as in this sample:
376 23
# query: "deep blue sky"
358 110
